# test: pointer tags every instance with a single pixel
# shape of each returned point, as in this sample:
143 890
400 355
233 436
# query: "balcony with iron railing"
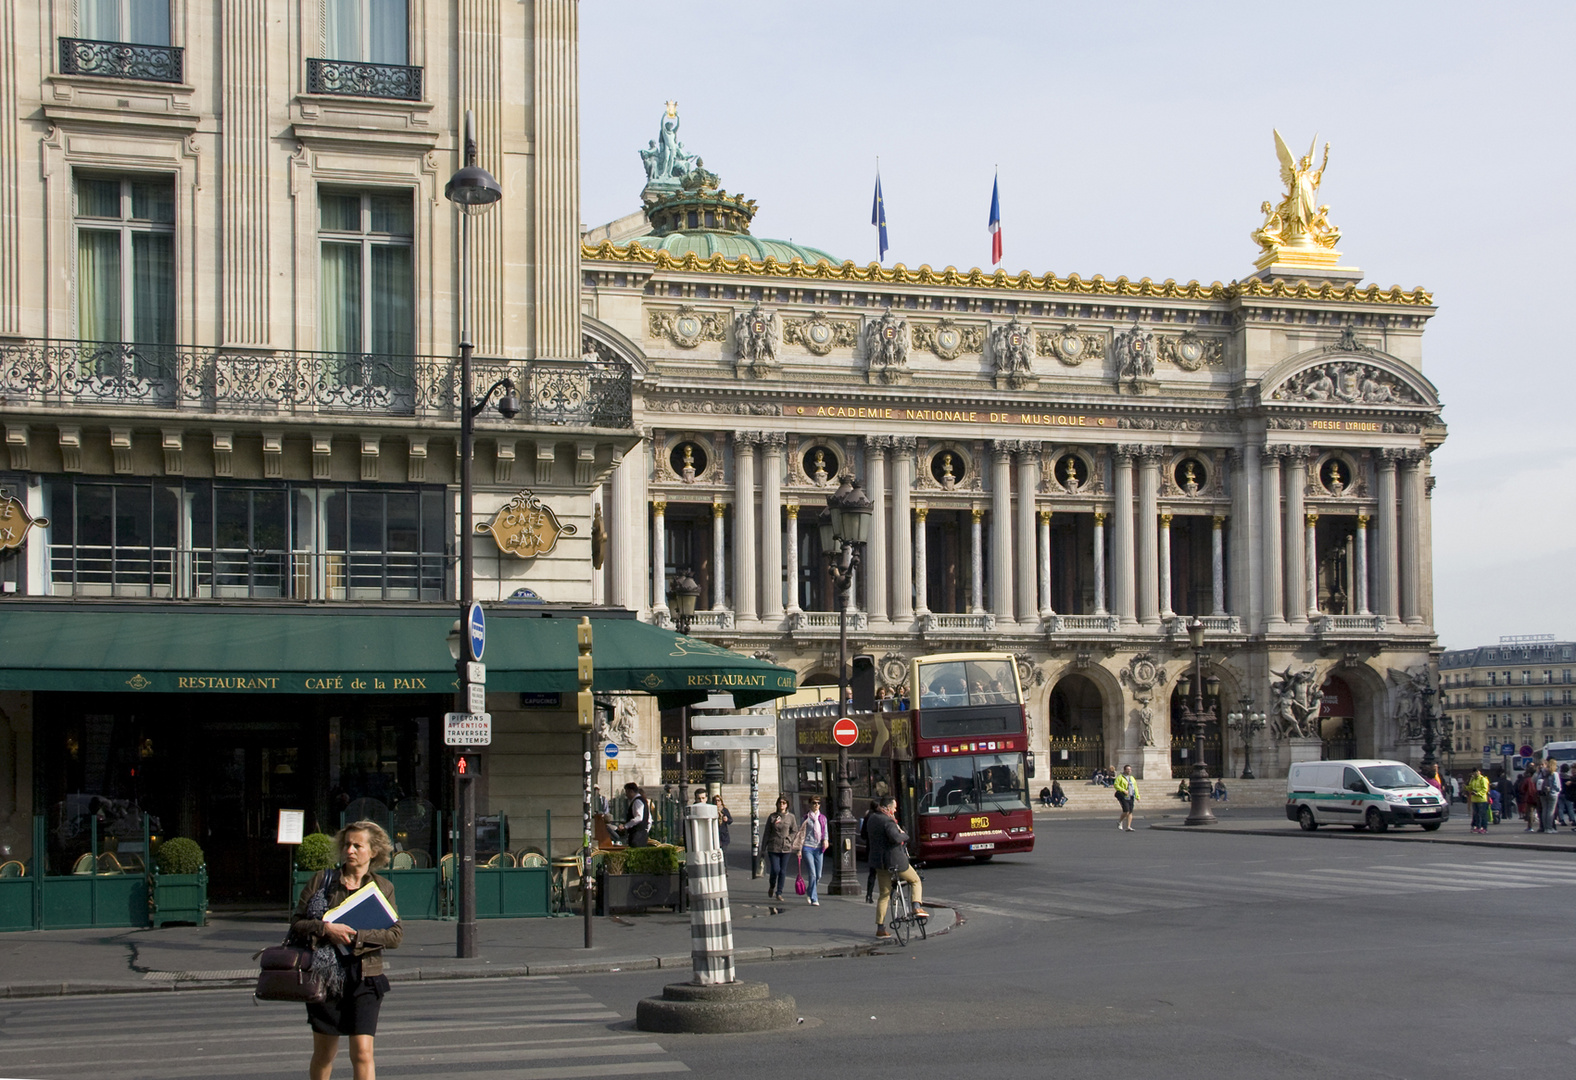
121 60
396 82
171 573
70 375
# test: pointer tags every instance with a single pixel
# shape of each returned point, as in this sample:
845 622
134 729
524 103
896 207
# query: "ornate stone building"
1519 692
1066 469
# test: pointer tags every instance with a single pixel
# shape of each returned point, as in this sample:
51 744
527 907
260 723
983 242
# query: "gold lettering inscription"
958 416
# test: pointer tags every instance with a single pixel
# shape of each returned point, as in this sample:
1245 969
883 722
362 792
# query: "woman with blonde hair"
350 962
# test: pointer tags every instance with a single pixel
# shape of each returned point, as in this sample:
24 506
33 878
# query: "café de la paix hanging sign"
526 527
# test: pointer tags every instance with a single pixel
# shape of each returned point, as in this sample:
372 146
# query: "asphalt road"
1151 954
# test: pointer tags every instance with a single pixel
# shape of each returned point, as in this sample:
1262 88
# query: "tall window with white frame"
136 22
368 284
368 31
125 268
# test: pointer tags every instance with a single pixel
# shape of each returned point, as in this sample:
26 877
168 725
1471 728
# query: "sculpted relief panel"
1350 382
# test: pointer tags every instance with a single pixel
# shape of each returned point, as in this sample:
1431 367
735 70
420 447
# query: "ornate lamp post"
682 595
1431 726
844 528
1199 717
1247 723
474 191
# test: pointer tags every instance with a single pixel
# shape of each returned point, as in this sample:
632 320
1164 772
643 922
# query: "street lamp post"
1198 716
844 528
1430 733
1247 723
474 191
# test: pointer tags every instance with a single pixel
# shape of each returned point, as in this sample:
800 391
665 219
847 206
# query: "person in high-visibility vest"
1126 795
1477 797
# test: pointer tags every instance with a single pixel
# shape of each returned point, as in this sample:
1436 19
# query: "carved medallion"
526 527
15 522
1191 352
821 335
947 339
687 327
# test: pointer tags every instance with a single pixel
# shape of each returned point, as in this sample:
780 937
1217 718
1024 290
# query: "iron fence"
121 60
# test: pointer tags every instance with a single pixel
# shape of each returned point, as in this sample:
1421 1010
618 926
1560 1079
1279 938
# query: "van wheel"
1305 819
1431 826
1375 821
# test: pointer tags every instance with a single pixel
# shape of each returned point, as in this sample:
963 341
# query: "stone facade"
1520 692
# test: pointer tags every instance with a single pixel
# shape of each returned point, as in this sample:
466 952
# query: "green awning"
178 649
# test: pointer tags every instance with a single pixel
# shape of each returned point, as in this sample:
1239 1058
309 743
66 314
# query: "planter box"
181 898
637 892
80 901
16 903
513 892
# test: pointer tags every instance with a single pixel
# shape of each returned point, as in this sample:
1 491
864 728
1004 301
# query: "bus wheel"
983 858
1375 821
1305 819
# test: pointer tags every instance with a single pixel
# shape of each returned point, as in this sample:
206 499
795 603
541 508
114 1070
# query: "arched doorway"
1182 731
1077 728
1337 720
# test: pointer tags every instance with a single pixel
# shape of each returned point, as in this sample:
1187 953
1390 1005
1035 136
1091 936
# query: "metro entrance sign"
845 732
467 729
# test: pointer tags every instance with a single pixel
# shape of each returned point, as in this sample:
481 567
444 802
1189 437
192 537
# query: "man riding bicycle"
890 858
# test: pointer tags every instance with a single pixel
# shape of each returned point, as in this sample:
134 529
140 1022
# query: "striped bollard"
711 921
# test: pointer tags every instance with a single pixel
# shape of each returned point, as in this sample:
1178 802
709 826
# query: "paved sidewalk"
1458 830
54 962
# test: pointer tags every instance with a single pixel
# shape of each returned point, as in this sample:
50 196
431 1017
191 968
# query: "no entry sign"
845 732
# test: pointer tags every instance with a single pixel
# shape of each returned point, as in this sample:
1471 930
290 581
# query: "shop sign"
15 522
526 527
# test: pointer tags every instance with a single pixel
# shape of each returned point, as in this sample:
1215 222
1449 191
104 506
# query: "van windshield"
1390 777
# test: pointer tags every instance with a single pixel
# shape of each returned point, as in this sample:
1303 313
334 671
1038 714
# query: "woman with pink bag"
813 844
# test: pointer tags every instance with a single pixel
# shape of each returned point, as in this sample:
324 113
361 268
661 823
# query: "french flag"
995 222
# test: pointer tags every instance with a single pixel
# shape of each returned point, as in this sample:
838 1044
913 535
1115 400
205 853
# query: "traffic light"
585 705
862 686
467 765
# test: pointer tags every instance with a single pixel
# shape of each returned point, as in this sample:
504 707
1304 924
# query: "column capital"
1124 453
921 511
1388 457
904 442
1295 455
774 441
1218 522
745 439
1165 519
977 514
1099 517
1362 521
1028 450
1412 458
1045 517
1153 455
659 505
878 442
1311 518
793 511
719 508
1003 448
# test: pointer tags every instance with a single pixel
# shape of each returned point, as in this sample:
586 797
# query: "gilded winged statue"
1298 220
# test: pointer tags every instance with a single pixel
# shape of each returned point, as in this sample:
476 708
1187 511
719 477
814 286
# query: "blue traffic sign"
1507 749
478 630
611 749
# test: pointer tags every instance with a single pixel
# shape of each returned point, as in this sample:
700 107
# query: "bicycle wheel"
901 926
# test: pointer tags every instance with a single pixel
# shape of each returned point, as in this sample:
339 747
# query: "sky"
1136 139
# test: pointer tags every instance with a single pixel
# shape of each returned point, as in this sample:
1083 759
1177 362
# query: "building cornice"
1025 282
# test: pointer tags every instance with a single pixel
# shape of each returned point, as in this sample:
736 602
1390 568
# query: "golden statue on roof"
1297 230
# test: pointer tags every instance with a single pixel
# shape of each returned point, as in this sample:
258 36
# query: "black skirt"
353 1013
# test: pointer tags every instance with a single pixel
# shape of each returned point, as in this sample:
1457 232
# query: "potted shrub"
180 883
315 852
638 878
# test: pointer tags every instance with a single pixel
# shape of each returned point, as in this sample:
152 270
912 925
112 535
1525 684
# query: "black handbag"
286 975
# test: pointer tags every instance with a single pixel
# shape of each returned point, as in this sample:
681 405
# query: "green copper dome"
731 245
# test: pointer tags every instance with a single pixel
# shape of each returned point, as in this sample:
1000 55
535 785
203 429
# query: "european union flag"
878 218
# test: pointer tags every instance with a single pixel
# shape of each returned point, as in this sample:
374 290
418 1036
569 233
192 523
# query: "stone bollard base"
715 1010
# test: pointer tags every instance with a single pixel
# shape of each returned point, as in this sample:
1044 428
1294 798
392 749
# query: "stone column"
1217 565
977 558
902 545
921 571
1425 561
1360 577
1165 567
875 559
792 559
744 517
1148 536
1001 531
659 555
1295 482
1099 564
1312 547
1028 488
554 172
1272 590
1247 597
719 560
622 533
1386 577
245 190
1411 535
1045 564
1122 584
771 525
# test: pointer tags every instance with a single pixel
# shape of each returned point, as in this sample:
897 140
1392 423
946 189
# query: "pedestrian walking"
1477 799
1565 810
1126 797
349 961
1527 797
724 819
777 840
1548 796
812 845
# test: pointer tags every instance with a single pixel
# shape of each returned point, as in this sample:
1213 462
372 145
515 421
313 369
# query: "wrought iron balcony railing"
352 77
121 60
76 374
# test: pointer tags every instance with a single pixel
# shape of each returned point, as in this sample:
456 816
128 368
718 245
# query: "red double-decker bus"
965 789
954 752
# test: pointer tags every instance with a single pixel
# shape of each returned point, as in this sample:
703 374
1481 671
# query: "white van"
1366 794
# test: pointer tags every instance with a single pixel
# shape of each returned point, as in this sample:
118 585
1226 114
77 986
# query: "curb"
1407 838
762 954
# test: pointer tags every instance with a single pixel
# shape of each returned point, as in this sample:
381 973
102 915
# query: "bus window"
958 683
973 782
991 682
945 685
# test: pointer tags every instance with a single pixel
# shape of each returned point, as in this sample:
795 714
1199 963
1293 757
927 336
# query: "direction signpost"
763 738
